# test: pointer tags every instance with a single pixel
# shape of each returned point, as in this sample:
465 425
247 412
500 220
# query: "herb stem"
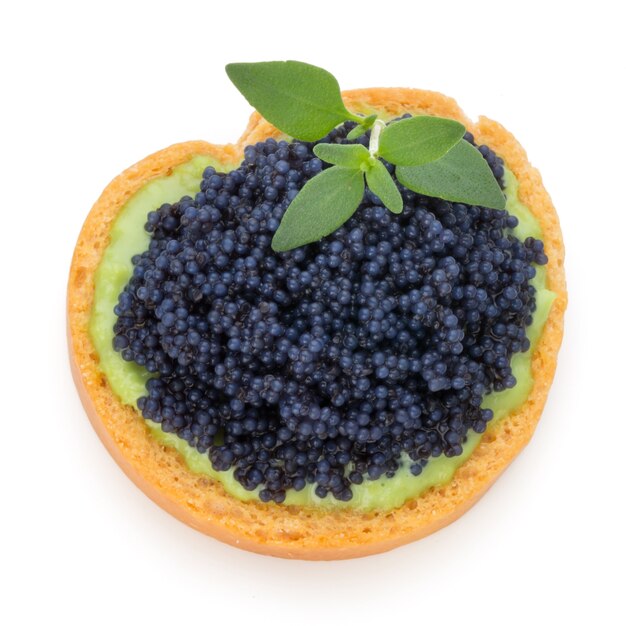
377 128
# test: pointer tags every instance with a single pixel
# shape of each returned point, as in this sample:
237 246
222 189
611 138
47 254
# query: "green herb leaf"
419 140
320 208
462 175
362 128
302 100
379 180
356 132
346 155
369 120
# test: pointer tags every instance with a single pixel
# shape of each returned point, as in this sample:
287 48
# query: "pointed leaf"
369 120
462 175
346 155
419 140
381 183
356 132
320 208
362 128
302 100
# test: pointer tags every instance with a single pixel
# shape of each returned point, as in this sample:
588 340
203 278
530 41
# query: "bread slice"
290 531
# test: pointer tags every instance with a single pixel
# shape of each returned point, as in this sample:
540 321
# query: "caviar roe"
329 363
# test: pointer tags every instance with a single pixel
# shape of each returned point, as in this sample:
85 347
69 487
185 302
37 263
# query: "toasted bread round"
290 531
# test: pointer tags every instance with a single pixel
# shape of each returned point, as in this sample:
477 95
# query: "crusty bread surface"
290 531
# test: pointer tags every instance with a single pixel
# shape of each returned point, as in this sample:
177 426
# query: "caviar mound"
372 348
292 531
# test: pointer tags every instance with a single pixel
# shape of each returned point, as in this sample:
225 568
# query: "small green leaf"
462 175
320 208
362 128
346 155
302 100
369 120
356 132
419 140
380 182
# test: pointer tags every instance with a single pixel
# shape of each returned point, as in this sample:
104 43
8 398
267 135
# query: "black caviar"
326 363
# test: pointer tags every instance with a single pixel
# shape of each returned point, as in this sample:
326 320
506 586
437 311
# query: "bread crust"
290 531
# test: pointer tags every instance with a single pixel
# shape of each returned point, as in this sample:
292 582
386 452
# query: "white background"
87 89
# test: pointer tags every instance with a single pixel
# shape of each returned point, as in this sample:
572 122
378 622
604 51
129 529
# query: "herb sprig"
430 154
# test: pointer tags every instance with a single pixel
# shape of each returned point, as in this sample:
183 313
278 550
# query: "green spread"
127 380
